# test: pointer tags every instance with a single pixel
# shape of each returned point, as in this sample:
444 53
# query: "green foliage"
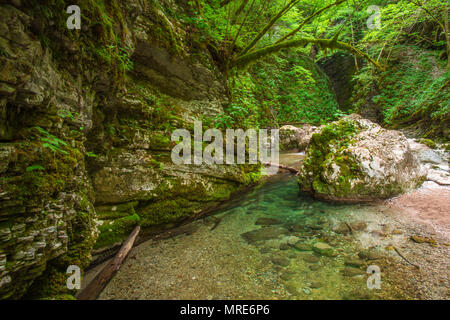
35 167
91 154
280 89
51 142
415 86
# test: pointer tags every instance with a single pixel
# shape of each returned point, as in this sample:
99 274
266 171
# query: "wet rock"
359 226
267 221
292 255
342 228
353 262
323 249
352 272
301 246
314 267
292 240
287 275
378 234
419 239
263 234
291 288
281 261
386 167
284 246
273 243
311 258
369 255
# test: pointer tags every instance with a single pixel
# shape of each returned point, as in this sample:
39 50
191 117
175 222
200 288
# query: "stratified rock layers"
86 119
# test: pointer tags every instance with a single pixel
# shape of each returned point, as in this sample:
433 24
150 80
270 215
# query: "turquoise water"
295 223
261 247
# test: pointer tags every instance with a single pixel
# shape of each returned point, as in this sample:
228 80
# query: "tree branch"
272 21
245 59
307 20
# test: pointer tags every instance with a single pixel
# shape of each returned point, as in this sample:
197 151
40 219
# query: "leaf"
35 168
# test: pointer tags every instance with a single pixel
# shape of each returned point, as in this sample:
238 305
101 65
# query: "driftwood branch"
400 254
93 289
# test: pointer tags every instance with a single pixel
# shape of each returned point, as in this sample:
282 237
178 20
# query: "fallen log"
290 169
95 287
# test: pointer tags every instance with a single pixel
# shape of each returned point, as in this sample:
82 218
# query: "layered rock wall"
86 119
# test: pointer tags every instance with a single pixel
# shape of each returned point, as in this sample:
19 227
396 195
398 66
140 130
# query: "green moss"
320 155
117 230
428 142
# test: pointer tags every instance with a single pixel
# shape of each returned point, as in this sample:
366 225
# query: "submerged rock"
311 258
354 262
303 246
263 234
267 221
287 275
292 240
291 288
353 160
280 260
369 255
352 272
323 249
314 267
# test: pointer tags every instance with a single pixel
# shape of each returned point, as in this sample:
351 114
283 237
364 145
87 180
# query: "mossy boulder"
353 160
298 138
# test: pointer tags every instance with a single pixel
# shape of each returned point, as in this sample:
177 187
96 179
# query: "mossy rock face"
354 160
78 129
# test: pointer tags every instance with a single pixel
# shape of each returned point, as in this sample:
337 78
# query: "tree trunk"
447 36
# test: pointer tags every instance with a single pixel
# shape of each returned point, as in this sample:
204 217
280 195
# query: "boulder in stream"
355 160
296 138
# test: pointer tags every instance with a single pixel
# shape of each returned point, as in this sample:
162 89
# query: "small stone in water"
287 275
314 267
311 259
292 289
352 272
323 249
342 228
369 255
359 226
267 221
354 263
303 246
292 240
281 261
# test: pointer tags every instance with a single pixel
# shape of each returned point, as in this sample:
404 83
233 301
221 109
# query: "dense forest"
359 90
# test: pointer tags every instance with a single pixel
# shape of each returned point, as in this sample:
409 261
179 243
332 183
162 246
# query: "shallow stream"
261 247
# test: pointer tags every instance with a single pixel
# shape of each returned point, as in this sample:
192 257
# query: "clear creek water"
260 247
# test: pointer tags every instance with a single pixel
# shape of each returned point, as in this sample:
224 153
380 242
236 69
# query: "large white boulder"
354 160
